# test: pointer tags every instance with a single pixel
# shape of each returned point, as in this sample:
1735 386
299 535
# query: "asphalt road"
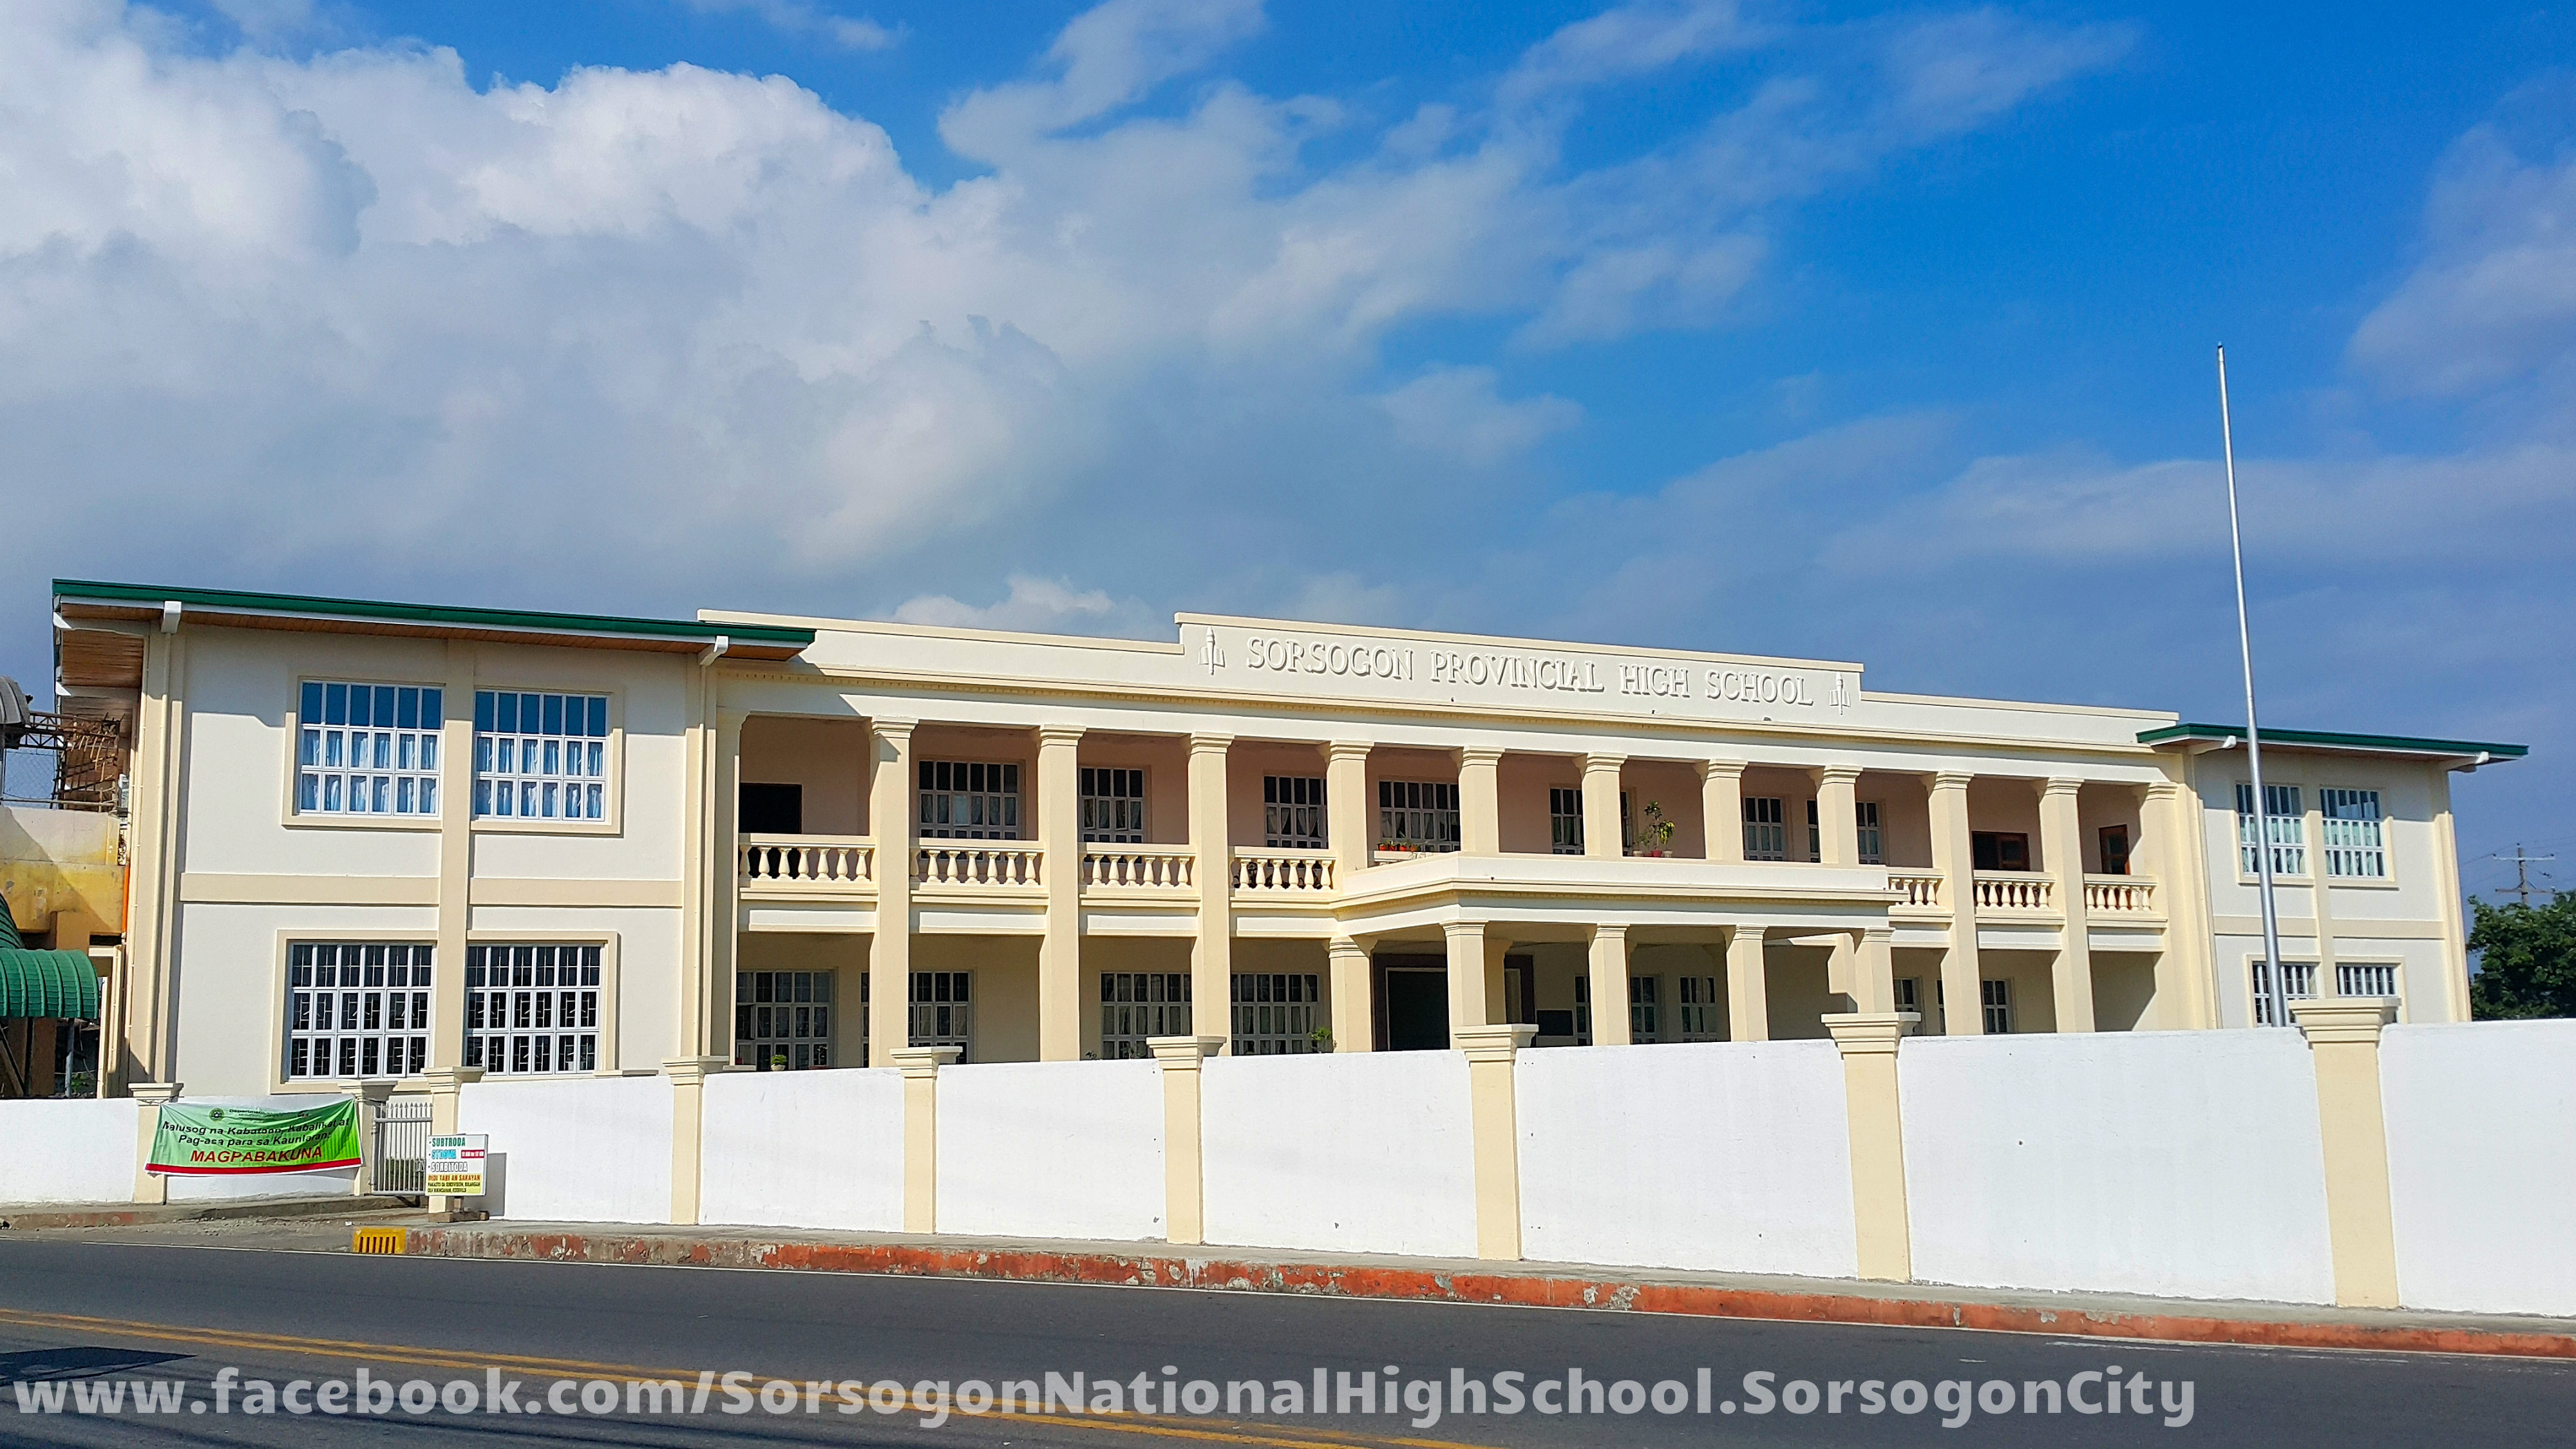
88 1315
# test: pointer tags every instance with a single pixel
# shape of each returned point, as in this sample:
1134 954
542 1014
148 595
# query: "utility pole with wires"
2522 864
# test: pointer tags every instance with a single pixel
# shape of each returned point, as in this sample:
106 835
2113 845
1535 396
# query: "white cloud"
1454 412
1032 606
795 17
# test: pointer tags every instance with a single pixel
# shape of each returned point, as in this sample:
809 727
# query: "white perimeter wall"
70 1151
1714 1155
2482 1164
2183 1163
1051 1149
1367 1152
804 1149
579 1149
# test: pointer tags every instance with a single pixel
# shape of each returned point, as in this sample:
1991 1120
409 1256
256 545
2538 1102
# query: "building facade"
377 841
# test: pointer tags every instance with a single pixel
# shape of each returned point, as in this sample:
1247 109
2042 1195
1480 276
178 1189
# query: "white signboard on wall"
455 1167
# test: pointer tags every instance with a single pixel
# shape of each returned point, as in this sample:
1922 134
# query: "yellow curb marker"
377 1240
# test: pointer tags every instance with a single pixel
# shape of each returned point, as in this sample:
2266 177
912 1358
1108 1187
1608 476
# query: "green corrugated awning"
60 985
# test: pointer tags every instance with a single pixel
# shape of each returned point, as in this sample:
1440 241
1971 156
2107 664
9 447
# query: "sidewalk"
1447 1280
117 1215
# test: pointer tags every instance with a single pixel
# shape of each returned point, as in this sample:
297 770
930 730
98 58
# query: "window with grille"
540 756
1996 997
2298 983
1137 1005
1582 1009
2283 826
1417 814
1766 832
1565 821
1815 833
969 800
943 1011
782 1020
358 1009
1697 1005
1276 1013
1113 806
1292 812
532 1009
1644 1009
2356 978
367 749
2352 843
1873 842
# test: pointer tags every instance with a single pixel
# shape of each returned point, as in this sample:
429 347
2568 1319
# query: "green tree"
2527 959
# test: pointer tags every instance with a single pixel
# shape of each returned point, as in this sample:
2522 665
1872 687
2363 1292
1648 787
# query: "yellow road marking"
567 1368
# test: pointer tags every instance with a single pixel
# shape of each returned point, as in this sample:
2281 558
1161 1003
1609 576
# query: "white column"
1962 994
1350 824
2061 846
1838 815
1602 837
1211 832
1354 997
1060 951
1748 986
1466 947
1721 798
1480 800
890 822
1610 985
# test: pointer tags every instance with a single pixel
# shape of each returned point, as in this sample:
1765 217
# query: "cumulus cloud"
1033 605
795 17
1454 411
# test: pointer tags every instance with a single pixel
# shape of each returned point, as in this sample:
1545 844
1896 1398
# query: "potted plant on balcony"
1654 832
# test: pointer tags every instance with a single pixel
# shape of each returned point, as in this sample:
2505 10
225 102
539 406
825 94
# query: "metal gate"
398 1149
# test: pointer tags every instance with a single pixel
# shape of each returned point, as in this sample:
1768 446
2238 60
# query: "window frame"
1454 812
1870 832
1020 825
1564 827
1084 777
2395 967
826 1040
2258 995
963 1040
609 997
281 1034
297 819
2248 871
612 818
1309 1007
1272 808
1779 821
1178 1011
1994 995
2386 849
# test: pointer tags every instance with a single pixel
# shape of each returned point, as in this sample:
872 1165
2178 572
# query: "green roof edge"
2404 743
431 613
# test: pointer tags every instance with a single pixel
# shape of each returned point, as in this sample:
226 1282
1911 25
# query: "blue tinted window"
508 723
554 714
483 710
599 716
335 709
432 708
311 712
407 709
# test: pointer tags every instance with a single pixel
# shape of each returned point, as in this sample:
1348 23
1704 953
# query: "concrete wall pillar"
1350 825
446 1085
1721 800
1873 968
1480 800
1060 950
1184 1184
2343 1037
1882 1233
688 1130
149 1097
1610 1026
1490 1052
1838 814
2186 993
2061 849
1748 986
890 823
1602 836
1354 997
1962 989
1212 952
920 1067
1467 1001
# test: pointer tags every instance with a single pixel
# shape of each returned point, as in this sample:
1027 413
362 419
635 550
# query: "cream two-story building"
376 841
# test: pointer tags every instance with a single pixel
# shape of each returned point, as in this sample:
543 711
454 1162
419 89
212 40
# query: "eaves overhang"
2450 754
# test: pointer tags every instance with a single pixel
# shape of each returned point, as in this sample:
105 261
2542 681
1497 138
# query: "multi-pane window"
1138 1005
2283 826
969 800
1276 1013
540 756
1292 811
357 1009
2360 978
1644 1009
1698 1005
1815 833
2353 844
1565 821
532 1009
1582 1009
1113 806
2298 983
1766 831
1996 997
782 1020
943 1010
1873 841
367 749
2115 849
1417 814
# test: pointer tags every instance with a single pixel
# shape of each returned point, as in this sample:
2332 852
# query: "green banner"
195 1139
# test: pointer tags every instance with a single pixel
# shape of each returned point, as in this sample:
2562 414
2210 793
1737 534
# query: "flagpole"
2277 985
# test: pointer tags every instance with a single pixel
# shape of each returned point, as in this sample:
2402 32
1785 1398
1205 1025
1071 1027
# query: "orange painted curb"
1037 1265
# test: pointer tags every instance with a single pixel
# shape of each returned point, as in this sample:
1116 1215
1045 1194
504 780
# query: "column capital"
1493 1043
153 1094
2342 1020
1951 779
692 1071
1183 1053
1744 933
1603 762
1479 754
1709 769
2060 785
1875 935
923 1063
448 1079
1343 946
1870 1033
1059 735
1609 931
892 727
1462 930
1210 744
1845 774
1348 750
2163 789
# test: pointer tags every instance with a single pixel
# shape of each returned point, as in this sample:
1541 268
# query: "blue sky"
1878 333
